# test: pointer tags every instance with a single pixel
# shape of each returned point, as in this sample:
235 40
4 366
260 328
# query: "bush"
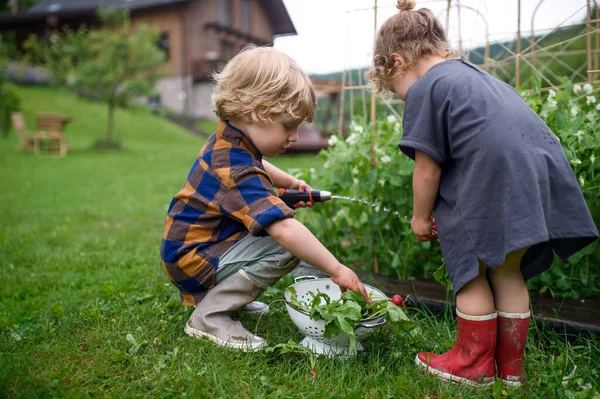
354 231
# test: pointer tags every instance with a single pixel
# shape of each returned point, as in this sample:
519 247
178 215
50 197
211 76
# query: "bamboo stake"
362 95
460 43
518 66
448 17
373 97
588 27
342 92
486 56
374 131
596 56
351 82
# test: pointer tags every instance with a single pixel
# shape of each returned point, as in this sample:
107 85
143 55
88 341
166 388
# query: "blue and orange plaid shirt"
227 195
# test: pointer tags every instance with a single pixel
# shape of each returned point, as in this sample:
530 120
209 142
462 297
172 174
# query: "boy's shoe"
256 308
471 360
212 317
512 335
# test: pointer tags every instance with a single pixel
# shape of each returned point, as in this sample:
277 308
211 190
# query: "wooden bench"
50 126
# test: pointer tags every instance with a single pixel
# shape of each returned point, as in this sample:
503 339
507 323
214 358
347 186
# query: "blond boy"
227 235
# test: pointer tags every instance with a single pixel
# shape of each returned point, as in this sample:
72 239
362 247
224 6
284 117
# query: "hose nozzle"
292 197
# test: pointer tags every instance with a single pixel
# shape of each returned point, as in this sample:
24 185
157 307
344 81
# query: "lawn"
86 310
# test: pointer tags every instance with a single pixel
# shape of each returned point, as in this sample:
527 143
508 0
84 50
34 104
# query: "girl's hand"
423 229
301 186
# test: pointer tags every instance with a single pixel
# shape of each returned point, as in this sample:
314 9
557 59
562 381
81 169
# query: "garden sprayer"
292 197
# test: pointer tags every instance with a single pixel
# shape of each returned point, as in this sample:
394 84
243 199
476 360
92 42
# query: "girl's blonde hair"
260 84
410 34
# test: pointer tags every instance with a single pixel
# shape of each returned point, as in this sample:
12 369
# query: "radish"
397 300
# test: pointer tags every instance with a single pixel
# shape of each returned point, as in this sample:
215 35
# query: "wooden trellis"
535 56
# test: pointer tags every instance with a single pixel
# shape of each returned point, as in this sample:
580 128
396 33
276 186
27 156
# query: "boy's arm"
426 182
284 180
296 238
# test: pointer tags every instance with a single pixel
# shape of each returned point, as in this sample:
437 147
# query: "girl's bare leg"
508 286
475 298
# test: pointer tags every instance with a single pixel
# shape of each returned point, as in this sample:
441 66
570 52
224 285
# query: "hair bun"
405 5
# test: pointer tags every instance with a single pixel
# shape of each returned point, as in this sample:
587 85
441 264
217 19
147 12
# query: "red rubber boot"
512 335
471 360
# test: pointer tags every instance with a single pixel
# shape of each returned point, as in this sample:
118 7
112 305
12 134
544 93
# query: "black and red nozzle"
292 197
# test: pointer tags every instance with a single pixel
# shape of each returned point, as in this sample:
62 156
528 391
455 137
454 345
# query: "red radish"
397 300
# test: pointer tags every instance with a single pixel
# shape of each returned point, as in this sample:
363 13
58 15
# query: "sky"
338 34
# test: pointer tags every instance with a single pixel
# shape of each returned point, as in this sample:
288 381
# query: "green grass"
86 310
207 125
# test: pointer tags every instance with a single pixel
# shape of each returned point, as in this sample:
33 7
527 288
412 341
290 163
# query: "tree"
115 64
120 64
20 5
9 99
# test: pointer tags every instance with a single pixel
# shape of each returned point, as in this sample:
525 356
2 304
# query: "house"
197 36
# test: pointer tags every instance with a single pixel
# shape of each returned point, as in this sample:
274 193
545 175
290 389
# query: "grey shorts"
260 259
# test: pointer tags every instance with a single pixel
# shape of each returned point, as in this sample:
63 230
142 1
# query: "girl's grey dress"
506 183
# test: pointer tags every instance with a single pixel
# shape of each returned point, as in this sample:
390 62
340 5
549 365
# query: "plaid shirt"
227 195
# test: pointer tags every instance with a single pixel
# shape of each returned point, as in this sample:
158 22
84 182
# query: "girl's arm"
426 182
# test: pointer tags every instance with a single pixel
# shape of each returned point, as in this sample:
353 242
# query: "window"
225 12
246 16
164 45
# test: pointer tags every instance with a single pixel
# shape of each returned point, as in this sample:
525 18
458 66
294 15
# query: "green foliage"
355 231
9 98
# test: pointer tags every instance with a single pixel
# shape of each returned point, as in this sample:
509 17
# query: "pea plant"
359 234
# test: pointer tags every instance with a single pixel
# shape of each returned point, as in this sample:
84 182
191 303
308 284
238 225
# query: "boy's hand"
423 229
348 280
301 186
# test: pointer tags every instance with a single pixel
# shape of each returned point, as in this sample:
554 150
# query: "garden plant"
357 231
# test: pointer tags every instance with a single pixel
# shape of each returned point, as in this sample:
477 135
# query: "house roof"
275 10
84 6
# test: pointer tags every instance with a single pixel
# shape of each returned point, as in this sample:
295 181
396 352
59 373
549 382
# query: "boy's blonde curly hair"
410 34
260 84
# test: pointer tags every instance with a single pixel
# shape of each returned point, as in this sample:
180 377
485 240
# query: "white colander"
313 329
